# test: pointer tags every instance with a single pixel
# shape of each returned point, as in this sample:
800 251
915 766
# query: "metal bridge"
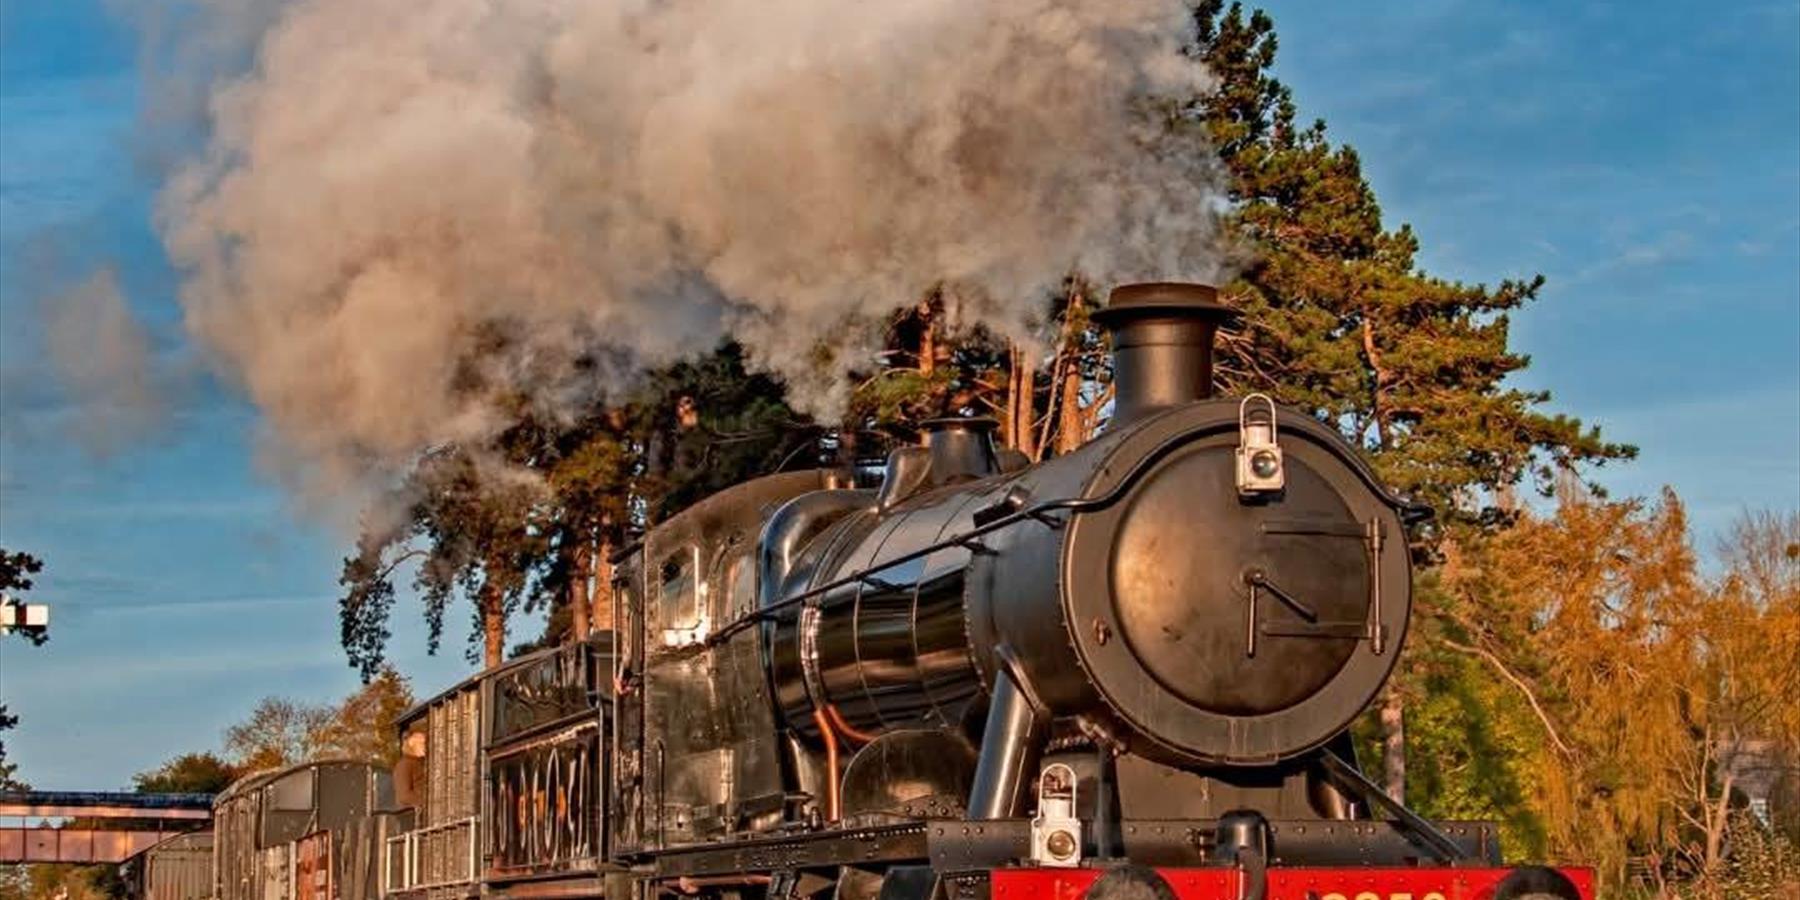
145 820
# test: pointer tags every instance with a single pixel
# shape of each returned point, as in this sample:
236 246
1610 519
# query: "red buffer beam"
1292 883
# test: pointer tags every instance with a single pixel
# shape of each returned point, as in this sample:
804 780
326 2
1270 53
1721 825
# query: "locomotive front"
1210 584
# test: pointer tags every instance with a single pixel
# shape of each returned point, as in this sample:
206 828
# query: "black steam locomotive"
985 672
1125 669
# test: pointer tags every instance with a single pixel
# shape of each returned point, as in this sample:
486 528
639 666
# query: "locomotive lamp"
1056 831
1259 468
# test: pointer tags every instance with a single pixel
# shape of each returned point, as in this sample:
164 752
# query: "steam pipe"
1011 745
832 809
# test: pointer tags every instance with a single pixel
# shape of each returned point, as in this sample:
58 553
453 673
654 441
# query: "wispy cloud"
167 510
1653 253
142 598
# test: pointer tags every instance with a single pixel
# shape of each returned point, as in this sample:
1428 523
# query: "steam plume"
405 209
104 361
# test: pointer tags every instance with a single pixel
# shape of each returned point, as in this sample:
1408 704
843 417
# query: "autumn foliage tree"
281 731
1652 691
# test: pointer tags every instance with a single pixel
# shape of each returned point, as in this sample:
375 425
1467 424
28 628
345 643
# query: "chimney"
1162 334
962 449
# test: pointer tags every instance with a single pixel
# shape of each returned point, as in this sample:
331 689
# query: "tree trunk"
580 560
1071 425
1009 427
1021 408
1393 744
1377 411
928 336
493 623
602 616
1718 817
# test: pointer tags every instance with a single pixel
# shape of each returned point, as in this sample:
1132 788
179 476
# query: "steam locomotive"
1127 670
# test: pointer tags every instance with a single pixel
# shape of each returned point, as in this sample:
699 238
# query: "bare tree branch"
1530 696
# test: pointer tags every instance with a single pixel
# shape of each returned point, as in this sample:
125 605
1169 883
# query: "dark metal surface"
260 820
1427 834
179 868
890 650
962 449
793 526
545 689
1285 704
544 800
1159 592
910 883
1182 612
698 747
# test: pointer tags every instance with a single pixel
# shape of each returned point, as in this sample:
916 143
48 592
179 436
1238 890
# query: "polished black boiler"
1137 592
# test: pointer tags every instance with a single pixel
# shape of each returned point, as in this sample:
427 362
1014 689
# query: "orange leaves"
1659 675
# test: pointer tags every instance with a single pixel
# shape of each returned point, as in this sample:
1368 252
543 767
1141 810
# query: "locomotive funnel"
1162 336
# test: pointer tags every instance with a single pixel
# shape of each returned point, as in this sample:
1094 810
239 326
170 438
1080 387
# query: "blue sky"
1643 156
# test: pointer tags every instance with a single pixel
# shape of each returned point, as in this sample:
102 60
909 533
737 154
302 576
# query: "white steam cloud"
406 209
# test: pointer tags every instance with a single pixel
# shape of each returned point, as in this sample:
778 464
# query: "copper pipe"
688 884
843 727
831 765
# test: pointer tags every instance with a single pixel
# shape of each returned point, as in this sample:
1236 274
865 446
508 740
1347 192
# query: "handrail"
411 878
1036 512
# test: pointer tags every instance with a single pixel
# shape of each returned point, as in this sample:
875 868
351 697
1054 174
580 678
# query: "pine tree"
1339 319
529 519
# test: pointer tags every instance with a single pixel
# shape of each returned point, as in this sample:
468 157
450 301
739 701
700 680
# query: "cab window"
680 595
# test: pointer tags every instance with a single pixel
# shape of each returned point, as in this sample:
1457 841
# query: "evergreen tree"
189 773
1339 319
529 520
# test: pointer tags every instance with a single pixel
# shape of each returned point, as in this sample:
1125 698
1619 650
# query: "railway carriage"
437 781
176 868
505 778
308 832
